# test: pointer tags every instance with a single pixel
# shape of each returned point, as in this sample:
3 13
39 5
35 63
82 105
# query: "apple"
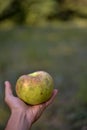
35 88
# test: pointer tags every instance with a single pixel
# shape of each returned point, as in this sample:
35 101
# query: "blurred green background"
48 35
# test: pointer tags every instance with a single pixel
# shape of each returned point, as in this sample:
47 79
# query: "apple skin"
35 88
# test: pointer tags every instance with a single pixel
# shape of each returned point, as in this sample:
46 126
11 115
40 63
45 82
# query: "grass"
61 52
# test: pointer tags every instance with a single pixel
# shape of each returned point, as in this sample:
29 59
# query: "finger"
44 105
8 91
52 97
38 109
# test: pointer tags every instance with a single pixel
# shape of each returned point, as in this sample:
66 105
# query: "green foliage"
4 5
42 11
38 11
14 12
70 9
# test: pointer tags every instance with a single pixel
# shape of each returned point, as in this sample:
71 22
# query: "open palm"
32 112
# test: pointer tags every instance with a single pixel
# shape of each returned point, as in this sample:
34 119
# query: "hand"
32 113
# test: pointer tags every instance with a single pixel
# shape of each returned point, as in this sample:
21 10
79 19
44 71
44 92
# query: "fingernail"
6 82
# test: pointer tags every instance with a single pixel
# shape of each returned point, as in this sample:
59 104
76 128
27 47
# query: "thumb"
8 91
52 98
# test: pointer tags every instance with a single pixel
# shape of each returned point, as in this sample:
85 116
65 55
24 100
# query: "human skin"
22 115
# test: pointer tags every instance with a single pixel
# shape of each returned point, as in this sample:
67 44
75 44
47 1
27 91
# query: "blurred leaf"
37 11
4 4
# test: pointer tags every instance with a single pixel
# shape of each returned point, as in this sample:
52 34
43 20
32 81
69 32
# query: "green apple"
35 88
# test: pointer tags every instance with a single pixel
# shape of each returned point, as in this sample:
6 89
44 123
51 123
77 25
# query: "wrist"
18 118
21 115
